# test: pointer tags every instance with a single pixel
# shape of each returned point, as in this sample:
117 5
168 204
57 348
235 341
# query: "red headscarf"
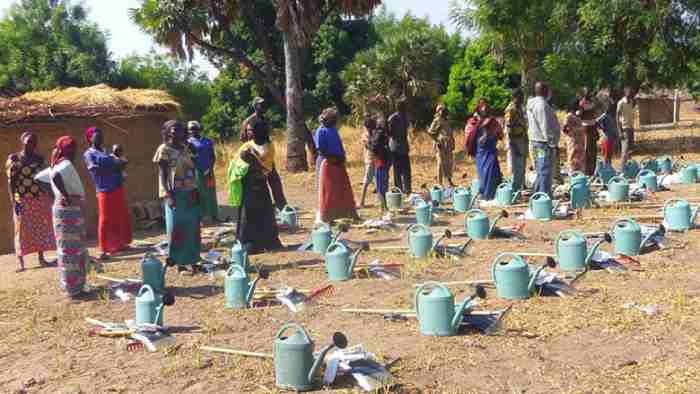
89 133
65 146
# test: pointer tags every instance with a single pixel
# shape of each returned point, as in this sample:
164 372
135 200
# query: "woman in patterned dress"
31 203
178 189
69 217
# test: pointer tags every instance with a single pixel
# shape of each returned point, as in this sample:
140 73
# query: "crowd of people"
49 201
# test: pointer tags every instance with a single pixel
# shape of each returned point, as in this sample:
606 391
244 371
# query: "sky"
125 38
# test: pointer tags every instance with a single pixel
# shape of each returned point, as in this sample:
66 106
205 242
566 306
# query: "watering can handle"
395 190
299 328
616 179
335 245
234 267
144 287
618 221
498 260
534 197
287 208
669 201
423 286
561 234
503 185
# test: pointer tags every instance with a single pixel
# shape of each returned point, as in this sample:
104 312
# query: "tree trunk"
296 129
527 79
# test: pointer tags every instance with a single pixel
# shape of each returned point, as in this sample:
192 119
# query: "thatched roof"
91 102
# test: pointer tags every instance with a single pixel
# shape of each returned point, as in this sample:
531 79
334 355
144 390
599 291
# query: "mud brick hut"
128 117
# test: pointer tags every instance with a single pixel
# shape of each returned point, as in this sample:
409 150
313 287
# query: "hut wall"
655 111
138 135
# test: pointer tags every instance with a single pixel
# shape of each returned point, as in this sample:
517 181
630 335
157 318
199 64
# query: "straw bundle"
84 102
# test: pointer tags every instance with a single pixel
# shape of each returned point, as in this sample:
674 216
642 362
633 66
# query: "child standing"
576 146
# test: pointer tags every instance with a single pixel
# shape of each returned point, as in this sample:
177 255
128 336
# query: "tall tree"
524 29
46 44
183 25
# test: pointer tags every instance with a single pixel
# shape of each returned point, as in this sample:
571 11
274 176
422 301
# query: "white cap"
193 125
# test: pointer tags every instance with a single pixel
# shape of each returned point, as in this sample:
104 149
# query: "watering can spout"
263 274
549 263
339 341
459 313
354 261
606 238
515 197
694 214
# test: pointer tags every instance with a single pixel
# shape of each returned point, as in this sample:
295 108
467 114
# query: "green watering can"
478 225
542 207
631 169
424 213
513 278
571 248
237 290
647 178
604 172
618 189
577 177
149 306
678 215
628 237
476 187
650 164
288 216
665 164
339 264
295 365
420 240
689 174
462 199
436 194
394 199
505 195
580 193
153 272
322 237
436 310
239 255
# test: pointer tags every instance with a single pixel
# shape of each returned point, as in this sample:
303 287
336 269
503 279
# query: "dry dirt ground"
585 344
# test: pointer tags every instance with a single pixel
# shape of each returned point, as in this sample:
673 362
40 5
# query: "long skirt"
335 196
73 257
576 151
591 150
34 226
206 184
257 226
182 226
490 175
114 227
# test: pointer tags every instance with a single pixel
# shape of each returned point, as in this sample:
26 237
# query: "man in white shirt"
625 123
544 133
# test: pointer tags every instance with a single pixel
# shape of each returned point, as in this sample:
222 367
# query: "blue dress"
487 165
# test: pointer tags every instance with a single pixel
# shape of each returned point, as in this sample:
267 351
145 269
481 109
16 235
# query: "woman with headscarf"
114 226
31 203
257 225
336 199
178 190
484 131
69 217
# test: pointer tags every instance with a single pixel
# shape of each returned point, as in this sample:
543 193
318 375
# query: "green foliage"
182 80
477 75
411 60
232 94
638 43
45 45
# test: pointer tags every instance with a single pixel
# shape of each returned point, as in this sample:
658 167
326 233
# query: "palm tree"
185 24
